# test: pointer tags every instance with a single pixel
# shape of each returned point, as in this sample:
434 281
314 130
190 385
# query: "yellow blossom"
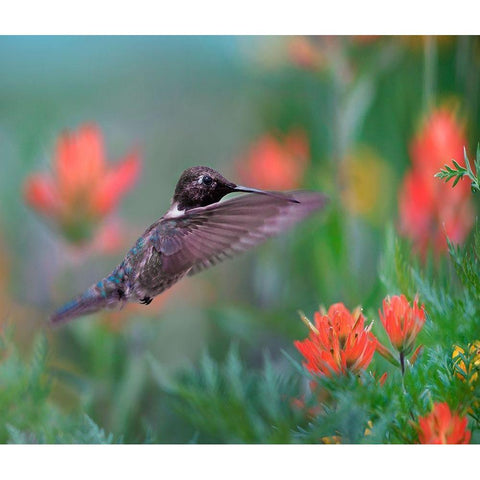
473 358
333 440
366 184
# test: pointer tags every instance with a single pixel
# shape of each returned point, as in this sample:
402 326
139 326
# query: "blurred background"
350 116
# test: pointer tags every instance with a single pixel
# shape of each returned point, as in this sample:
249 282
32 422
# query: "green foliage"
458 172
227 402
24 387
231 403
27 412
448 289
81 430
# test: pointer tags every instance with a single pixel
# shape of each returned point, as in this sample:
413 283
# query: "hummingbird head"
201 186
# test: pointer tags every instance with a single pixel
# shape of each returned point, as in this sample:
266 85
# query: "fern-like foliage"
457 172
230 403
27 413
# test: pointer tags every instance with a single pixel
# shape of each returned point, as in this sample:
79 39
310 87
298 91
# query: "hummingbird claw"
146 300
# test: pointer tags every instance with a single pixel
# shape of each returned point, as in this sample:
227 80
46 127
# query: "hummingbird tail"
98 296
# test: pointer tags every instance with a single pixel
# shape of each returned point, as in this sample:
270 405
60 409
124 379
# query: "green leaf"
457 180
457 166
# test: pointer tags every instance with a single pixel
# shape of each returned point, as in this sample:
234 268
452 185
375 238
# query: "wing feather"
207 235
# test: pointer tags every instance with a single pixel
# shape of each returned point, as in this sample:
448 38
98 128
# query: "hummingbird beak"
283 196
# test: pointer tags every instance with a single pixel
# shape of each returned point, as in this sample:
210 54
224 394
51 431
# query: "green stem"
402 363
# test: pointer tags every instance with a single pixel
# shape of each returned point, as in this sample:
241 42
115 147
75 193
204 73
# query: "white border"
293 462
238 18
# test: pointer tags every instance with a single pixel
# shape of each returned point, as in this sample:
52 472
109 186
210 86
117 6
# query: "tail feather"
95 298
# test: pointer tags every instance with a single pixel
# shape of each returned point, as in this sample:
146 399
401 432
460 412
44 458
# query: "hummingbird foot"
146 300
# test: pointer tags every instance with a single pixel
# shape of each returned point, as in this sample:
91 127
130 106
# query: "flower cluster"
441 426
338 342
273 164
430 210
83 189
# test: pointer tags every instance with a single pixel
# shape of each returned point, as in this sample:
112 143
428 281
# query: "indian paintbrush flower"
338 342
402 322
430 211
276 164
82 189
441 426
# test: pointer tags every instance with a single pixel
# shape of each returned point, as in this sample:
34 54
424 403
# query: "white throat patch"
174 212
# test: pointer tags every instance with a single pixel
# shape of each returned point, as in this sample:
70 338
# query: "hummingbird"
198 231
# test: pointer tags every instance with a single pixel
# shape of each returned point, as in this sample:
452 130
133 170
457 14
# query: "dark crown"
201 186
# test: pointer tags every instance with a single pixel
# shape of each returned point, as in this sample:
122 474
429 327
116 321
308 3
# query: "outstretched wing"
205 236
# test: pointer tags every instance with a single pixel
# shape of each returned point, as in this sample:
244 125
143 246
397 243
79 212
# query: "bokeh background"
335 114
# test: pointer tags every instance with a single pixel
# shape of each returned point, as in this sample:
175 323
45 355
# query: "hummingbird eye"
207 180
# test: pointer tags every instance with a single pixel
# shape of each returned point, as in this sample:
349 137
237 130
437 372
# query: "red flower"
402 322
338 342
431 210
440 139
271 164
440 426
82 189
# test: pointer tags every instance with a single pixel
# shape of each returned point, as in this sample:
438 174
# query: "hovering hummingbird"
195 233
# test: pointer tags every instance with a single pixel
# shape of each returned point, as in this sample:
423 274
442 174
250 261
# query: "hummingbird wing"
207 235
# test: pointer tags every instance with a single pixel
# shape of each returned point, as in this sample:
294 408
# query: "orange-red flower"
431 210
402 322
82 189
441 426
273 164
339 342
